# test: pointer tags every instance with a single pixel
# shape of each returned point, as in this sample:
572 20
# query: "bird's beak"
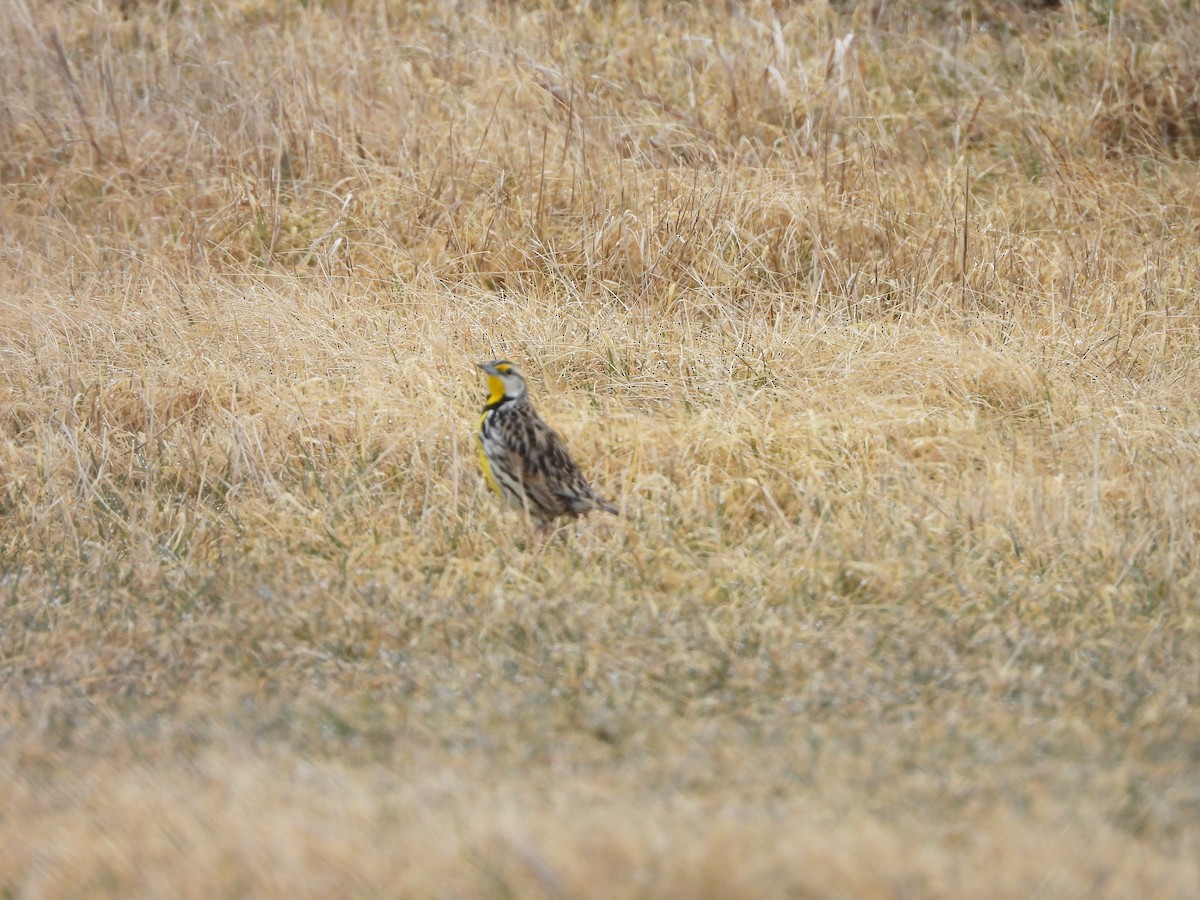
486 367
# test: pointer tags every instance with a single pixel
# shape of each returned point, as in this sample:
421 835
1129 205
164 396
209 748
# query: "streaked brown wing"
538 456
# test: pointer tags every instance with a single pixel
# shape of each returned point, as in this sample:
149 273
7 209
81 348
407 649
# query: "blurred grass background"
878 319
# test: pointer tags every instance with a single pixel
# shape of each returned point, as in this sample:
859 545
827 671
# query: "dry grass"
885 343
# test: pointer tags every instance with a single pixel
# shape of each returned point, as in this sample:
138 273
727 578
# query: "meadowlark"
524 460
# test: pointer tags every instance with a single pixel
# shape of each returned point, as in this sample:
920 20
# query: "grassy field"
881 322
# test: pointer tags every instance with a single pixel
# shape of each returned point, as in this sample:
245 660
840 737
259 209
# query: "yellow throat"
495 389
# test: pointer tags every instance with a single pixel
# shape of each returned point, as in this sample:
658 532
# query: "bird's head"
504 381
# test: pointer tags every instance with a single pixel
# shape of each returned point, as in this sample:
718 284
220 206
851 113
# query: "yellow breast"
484 462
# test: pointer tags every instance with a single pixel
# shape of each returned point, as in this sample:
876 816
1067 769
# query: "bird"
524 460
